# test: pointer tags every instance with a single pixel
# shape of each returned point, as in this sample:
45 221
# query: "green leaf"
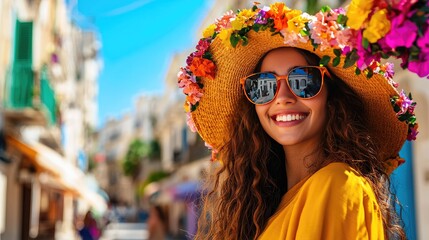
342 19
325 9
234 39
351 59
325 60
336 61
245 40
304 32
370 73
208 55
337 52
256 27
365 42
357 71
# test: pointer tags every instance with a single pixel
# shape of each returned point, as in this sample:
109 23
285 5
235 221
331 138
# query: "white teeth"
289 117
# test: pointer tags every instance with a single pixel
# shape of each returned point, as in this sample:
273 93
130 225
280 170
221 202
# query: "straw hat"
211 78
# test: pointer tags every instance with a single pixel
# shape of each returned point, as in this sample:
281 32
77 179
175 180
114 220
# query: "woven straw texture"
220 100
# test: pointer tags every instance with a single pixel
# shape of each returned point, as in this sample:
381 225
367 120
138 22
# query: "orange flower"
278 13
203 68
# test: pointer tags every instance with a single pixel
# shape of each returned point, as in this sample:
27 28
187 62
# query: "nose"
284 94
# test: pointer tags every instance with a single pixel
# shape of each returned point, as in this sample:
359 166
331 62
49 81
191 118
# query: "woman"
292 166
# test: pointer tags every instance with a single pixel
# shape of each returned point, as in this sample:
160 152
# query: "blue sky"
138 39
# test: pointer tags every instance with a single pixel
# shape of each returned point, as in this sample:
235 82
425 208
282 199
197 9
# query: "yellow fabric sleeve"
335 203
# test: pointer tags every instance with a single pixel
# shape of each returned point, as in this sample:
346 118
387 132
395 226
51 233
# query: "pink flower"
401 34
423 42
185 78
412 132
421 67
225 21
346 39
291 38
365 55
404 7
339 11
190 122
203 45
324 30
190 58
193 92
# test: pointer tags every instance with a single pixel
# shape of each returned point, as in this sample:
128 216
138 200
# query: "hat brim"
222 94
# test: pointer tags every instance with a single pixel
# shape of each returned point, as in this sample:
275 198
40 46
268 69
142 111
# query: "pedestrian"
89 230
293 167
157 224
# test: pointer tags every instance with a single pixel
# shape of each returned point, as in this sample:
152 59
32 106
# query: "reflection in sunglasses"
304 82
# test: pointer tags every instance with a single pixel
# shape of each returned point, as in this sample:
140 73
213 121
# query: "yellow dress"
334 203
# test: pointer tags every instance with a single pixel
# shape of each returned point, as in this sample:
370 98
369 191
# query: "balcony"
29 101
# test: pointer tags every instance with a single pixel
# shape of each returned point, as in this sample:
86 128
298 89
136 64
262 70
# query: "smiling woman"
301 146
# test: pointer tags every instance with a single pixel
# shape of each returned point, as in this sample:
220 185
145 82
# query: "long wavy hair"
247 185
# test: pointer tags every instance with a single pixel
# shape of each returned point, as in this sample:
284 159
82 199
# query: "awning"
69 176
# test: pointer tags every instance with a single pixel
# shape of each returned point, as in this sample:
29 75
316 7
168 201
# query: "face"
287 119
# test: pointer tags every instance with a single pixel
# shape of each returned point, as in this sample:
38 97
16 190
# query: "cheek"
261 111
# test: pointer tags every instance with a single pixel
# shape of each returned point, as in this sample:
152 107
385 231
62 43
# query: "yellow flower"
242 19
225 35
297 23
293 13
187 107
246 13
378 26
357 13
238 23
209 31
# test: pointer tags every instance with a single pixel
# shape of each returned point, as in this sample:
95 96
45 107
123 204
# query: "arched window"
296 84
303 83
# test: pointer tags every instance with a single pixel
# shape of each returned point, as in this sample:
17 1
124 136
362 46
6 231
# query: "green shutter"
24 41
47 96
22 83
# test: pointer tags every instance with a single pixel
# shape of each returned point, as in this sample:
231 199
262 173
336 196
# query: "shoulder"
339 179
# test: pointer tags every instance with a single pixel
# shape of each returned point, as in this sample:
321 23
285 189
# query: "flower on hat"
358 12
404 107
278 12
391 29
378 26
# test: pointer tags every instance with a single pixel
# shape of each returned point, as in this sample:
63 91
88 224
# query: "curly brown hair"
247 186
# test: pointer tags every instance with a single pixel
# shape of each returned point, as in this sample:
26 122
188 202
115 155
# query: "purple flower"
401 35
412 132
261 18
403 102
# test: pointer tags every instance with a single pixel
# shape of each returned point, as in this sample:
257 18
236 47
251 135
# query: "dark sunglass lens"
305 82
260 88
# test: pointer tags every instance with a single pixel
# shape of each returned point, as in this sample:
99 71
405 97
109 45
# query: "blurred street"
94 142
125 231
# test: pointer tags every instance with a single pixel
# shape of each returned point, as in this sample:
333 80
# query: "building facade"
43 130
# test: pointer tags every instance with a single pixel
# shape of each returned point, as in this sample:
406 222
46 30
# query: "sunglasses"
304 82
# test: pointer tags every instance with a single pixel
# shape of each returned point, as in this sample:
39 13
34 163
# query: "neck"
298 157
